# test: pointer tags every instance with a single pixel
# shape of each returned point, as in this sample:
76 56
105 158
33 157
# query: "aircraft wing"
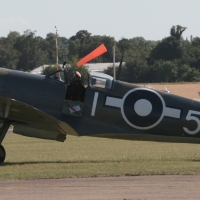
32 122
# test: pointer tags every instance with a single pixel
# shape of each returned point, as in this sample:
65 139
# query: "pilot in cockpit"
75 90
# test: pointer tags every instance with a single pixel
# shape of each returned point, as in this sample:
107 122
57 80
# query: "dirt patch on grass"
189 90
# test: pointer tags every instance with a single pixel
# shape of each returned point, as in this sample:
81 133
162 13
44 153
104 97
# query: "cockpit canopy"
96 80
99 80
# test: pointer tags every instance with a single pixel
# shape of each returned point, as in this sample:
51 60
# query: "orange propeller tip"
95 53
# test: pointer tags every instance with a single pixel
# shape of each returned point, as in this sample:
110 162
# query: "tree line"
170 60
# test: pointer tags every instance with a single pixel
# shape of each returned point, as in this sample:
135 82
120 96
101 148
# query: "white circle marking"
138 127
143 107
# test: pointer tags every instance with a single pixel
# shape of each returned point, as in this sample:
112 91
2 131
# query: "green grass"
30 158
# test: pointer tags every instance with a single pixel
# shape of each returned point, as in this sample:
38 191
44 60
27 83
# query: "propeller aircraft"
37 106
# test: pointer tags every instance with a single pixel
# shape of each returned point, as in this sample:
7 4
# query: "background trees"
169 48
83 43
9 56
169 60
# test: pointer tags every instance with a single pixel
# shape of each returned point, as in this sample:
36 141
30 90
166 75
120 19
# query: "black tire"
2 154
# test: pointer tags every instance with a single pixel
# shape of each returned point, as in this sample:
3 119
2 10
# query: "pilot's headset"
75 76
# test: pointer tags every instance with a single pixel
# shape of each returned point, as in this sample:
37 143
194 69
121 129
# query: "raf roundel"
143 108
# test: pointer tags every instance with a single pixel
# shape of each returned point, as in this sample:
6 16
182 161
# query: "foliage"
169 60
169 48
9 56
123 45
83 43
49 69
110 70
140 41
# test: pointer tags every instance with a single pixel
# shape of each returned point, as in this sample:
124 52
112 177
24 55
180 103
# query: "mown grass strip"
30 158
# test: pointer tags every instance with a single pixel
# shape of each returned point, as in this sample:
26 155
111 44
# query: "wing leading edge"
29 121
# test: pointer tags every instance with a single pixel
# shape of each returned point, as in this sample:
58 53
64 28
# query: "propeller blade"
95 53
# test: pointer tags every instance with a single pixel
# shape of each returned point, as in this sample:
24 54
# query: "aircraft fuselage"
118 110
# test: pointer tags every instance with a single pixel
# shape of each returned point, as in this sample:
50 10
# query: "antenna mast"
114 76
56 45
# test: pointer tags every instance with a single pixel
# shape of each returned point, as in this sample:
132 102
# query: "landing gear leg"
2 154
3 130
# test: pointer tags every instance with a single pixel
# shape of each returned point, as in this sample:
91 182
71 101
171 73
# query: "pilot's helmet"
75 76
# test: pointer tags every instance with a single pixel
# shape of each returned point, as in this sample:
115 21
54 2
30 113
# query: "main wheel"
2 154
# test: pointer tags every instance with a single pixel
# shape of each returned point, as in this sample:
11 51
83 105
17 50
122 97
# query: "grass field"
30 158
189 90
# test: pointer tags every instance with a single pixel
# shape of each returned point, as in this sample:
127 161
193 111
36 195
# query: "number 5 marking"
190 117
